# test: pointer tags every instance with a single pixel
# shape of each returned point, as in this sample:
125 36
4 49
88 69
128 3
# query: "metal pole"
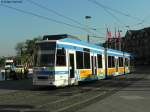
106 47
115 39
106 60
88 37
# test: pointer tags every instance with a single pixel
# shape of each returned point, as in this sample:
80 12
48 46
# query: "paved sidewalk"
134 98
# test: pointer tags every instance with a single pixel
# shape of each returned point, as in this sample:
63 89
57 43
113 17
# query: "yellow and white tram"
63 60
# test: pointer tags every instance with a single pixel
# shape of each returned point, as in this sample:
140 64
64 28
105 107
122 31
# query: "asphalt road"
128 94
133 98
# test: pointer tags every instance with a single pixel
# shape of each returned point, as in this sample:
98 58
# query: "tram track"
62 99
78 100
31 97
98 94
21 96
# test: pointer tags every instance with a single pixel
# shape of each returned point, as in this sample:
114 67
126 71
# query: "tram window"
61 57
79 59
45 60
111 61
99 57
120 62
47 46
86 60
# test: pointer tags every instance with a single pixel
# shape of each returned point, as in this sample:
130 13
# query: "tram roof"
117 53
58 37
79 43
70 40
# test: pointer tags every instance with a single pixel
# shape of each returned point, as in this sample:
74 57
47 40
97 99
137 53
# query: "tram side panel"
61 69
124 65
127 64
83 65
101 66
90 66
65 70
117 63
121 65
111 69
87 66
72 75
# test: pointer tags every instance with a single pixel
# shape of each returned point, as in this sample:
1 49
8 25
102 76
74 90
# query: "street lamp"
88 37
88 17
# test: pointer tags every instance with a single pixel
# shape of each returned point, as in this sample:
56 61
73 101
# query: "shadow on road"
19 108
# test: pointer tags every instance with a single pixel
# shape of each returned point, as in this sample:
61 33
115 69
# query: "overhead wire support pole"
106 56
115 39
88 36
120 40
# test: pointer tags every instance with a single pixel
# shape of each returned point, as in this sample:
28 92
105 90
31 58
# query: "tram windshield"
45 54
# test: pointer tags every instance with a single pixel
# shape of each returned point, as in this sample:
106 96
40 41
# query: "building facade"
136 42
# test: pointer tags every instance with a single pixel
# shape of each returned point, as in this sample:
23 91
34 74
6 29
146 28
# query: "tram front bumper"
43 83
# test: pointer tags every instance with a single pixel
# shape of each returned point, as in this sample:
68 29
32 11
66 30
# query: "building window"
61 57
79 59
99 57
120 61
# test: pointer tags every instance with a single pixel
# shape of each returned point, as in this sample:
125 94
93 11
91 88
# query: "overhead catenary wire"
114 16
54 12
144 19
140 21
107 11
43 17
116 11
61 15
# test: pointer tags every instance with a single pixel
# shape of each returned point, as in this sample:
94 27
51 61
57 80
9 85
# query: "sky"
18 26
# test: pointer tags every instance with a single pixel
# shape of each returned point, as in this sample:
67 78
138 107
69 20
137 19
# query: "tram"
62 60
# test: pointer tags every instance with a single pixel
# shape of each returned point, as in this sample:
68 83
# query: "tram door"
71 65
94 65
